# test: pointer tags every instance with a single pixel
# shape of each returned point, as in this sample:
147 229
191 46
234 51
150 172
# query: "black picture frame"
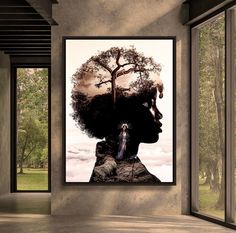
77 52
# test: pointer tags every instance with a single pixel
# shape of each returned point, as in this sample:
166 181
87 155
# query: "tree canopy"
212 105
32 117
125 76
106 67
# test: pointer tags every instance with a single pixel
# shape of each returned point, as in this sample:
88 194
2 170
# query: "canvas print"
119 118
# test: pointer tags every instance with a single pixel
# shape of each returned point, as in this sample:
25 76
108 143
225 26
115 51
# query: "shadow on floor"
26 203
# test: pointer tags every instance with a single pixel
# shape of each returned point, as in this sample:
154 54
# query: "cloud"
80 152
80 160
79 170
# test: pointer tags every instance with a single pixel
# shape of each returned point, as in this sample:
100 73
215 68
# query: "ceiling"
25 27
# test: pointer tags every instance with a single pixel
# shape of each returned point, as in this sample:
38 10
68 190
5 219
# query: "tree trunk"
21 166
208 177
221 198
220 108
113 89
214 181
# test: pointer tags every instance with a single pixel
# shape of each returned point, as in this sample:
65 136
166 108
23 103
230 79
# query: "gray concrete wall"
4 124
121 18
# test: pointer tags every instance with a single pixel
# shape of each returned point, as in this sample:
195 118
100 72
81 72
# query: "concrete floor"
29 213
29 223
26 203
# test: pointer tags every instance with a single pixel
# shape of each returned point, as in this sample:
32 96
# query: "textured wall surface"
122 18
4 124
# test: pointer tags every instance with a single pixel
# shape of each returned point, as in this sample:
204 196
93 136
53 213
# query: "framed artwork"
119 124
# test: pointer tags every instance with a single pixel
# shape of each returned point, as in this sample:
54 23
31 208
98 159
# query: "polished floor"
26 203
29 213
29 223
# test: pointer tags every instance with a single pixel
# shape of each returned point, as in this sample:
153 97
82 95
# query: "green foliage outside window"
211 116
32 127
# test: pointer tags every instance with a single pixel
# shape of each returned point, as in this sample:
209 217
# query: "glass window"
211 116
32 129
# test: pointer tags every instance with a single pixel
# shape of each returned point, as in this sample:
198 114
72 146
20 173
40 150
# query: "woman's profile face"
150 124
143 118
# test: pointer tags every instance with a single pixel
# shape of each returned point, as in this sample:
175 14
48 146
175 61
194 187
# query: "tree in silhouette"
108 66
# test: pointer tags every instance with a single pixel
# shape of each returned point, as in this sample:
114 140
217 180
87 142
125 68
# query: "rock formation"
128 170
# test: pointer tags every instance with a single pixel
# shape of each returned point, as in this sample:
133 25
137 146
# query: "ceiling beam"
24 37
25 33
14 3
23 44
27 49
27 54
44 8
4 47
38 43
25 40
10 23
17 10
32 59
24 28
14 17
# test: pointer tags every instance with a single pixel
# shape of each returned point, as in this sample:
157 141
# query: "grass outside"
32 179
207 202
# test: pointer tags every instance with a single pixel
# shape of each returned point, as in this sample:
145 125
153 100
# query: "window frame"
13 130
230 84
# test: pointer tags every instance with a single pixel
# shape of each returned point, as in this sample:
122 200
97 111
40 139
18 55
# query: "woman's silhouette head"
117 87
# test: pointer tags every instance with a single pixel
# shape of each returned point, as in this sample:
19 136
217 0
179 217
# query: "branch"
119 65
132 69
102 64
142 70
118 58
24 147
32 149
104 82
128 63
123 72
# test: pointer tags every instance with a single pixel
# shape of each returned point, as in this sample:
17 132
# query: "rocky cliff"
128 170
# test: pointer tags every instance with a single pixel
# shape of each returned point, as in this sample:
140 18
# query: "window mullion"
194 123
230 126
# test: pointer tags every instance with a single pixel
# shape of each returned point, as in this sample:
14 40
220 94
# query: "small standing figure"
123 140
